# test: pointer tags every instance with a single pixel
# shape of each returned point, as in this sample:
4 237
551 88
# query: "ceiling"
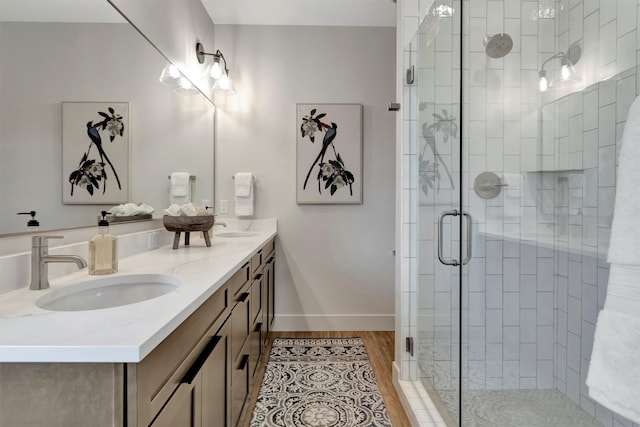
366 13
361 13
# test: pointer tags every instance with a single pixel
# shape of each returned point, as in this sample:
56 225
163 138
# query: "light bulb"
170 75
543 83
216 70
224 83
565 72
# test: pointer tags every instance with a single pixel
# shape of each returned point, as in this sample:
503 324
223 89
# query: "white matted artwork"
329 153
95 152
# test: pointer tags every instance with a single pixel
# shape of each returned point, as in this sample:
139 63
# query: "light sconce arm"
217 56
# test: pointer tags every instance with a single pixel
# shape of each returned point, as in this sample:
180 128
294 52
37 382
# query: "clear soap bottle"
103 250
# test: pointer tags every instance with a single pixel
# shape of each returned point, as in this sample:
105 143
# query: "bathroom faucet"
40 258
224 224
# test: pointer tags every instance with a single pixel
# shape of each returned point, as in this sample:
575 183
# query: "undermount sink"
108 292
236 234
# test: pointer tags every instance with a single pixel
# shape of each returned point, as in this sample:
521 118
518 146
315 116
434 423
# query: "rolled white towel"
173 210
189 210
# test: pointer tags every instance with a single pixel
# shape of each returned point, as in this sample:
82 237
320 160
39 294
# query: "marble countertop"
127 333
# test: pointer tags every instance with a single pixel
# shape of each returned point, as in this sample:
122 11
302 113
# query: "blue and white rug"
319 383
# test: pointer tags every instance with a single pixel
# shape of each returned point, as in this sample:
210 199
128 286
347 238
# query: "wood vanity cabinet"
202 374
199 376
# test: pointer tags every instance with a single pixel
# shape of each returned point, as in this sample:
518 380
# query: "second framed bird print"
95 152
329 153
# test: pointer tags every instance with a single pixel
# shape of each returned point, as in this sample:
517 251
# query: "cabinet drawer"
269 248
156 376
256 263
238 280
257 290
240 323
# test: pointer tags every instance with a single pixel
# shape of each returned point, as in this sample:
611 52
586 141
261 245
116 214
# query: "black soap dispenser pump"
33 224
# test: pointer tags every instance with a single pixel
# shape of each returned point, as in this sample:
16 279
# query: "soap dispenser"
33 224
103 250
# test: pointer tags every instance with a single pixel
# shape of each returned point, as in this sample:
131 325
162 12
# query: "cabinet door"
270 269
178 410
240 383
215 382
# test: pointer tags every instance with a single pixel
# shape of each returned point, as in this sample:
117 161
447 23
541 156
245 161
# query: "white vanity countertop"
127 333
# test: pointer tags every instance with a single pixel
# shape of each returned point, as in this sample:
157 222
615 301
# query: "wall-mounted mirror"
85 51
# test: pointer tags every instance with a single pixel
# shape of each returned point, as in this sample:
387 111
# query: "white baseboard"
340 322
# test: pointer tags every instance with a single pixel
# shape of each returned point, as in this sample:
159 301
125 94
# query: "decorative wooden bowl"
187 224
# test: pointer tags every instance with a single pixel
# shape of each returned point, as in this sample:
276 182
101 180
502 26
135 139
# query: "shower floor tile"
522 408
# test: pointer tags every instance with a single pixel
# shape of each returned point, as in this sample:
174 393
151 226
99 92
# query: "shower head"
497 45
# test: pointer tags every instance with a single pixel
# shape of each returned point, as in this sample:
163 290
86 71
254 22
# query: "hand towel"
614 373
244 193
243 182
179 190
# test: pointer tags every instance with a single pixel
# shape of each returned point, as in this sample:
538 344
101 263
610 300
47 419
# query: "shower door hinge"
409 345
410 75
393 106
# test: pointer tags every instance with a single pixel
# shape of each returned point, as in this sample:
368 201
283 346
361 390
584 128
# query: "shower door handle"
466 259
452 261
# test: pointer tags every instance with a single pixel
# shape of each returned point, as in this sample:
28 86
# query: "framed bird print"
329 154
95 152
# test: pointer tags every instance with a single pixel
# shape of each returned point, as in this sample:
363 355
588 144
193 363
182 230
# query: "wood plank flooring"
380 349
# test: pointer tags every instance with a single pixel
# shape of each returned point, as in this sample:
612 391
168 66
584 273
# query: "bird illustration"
94 135
329 136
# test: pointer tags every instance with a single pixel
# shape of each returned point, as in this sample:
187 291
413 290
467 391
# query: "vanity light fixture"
567 71
217 70
170 75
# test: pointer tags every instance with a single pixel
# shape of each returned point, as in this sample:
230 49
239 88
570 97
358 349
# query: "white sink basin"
236 234
108 292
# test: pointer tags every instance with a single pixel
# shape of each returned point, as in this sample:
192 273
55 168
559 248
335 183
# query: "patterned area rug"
319 383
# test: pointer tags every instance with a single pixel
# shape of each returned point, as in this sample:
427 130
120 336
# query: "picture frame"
95 152
329 154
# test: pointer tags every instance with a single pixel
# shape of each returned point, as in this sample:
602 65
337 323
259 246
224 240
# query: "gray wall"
335 268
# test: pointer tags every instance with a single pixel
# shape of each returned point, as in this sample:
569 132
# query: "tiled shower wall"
588 119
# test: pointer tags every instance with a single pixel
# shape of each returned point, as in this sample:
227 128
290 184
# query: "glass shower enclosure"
520 108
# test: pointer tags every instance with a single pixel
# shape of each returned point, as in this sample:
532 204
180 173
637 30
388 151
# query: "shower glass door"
520 109
441 255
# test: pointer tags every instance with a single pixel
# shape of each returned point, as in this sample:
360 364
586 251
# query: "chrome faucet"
40 258
223 224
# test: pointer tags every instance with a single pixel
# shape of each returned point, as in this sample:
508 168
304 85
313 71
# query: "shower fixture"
497 45
567 72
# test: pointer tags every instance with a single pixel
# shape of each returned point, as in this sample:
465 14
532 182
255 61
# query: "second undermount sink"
236 234
108 292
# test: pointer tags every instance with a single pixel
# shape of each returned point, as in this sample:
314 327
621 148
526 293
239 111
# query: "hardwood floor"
380 349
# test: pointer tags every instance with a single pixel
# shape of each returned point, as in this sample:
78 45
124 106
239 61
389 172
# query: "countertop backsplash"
15 269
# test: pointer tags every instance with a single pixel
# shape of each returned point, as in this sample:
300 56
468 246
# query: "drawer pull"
202 358
243 296
244 362
270 260
258 276
258 327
